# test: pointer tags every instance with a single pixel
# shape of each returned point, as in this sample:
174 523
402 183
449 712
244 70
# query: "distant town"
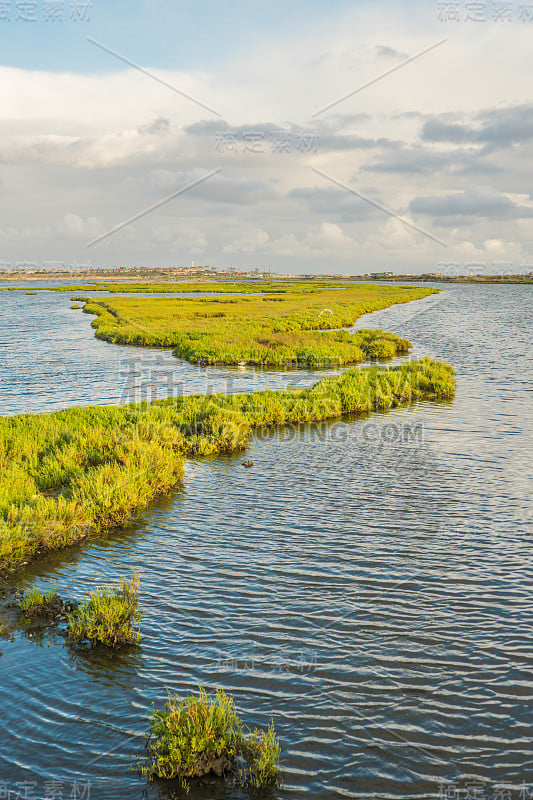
25 271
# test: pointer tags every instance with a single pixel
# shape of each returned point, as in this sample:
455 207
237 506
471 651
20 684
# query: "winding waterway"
367 584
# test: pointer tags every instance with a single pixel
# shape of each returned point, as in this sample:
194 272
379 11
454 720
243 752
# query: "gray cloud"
495 128
157 126
332 202
475 165
389 52
219 189
479 202
410 160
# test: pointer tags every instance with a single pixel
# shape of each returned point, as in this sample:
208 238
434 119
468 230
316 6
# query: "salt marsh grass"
36 602
109 617
82 471
196 736
296 325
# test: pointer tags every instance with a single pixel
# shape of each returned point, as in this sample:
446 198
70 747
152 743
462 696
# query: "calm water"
50 359
367 583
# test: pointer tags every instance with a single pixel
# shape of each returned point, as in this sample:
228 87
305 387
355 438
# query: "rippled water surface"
50 359
367 583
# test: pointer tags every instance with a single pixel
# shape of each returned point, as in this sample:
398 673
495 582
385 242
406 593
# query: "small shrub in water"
36 603
108 617
197 736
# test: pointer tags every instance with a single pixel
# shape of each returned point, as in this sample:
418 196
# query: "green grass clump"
79 471
198 736
75 305
296 324
108 617
36 603
86 470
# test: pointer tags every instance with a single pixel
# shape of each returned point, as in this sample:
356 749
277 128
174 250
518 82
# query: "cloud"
413 160
157 126
384 51
261 137
329 236
493 128
480 202
180 239
87 151
329 200
74 226
248 244
325 240
217 189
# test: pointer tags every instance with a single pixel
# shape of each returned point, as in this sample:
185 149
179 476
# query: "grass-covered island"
292 325
196 736
69 473
108 617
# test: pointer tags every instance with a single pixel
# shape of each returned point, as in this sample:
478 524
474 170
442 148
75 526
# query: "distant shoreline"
170 276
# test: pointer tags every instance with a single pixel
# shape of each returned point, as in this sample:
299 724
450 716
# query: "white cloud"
329 237
248 244
74 226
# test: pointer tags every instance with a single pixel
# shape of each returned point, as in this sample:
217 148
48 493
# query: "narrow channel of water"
50 359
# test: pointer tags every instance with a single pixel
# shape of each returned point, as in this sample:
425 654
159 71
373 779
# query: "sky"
304 137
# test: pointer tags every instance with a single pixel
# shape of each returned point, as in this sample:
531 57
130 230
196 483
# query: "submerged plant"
196 736
108 616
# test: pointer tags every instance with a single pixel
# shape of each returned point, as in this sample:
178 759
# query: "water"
50 359
366 584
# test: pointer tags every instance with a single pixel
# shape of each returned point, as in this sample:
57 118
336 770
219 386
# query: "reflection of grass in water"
288 328
85 470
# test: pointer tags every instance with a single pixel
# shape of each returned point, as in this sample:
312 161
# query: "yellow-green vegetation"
196 736
109 617
296 325
167 287
85 470
36 603
75 305
160 287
